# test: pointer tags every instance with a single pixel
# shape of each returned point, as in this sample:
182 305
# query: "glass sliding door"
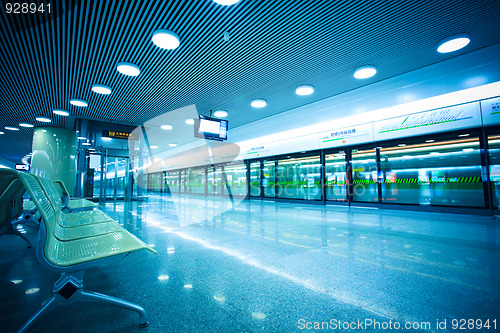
236 175
335 177
494 154
218 180
255 179
443 173
184 181
196 180
299 178
173 181
364 175
269 179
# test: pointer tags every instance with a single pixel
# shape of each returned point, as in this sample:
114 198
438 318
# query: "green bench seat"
70 251
73 204
11 206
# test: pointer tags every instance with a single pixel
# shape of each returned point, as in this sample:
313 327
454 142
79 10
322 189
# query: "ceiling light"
43 119
190 121
82 138
402 145
429 141
258 103
154 147
220 113
101 89
105 138
463 135
172 144
365 72
165 39
453 43
226 2
44 131
78 102
26 125
61 112
2 133
127 68
304 90
10 128
166 127
85 144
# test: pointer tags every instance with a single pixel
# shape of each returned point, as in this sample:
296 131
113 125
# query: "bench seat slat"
81 203
78 251
84 231
96 216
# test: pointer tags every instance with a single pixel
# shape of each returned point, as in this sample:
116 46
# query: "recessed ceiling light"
44 131
25 125
172 144
190 121
226 2
220 113
105 138
43 119
429 141
154 147
78 102
82 138
127 68
61 112
101 89
453 43
365 72
402 145
165 39
258 103
1 133
166 127
10 128
304 90
85 144
463 135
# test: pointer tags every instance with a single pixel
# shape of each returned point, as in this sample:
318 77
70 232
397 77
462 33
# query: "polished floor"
275 267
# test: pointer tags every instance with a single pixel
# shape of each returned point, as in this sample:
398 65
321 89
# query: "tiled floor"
274 267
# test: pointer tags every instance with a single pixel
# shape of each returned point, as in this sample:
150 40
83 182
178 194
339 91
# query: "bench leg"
92 297
10 230
52 304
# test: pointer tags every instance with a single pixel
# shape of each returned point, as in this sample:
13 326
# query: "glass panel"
364 176
299 178
173 181
218 180
446 173
236 175
211 180
335 181
184 182
155 181
494 152
110 177
268 182
197 180
255 179
121 170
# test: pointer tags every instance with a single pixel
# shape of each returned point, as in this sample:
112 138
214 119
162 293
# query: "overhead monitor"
24 167
210 128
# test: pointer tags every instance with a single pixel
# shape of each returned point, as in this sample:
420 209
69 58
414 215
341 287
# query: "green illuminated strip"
438 122
254 152
333 140
497 112
405 120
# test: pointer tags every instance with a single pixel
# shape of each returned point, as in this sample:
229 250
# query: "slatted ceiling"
274 46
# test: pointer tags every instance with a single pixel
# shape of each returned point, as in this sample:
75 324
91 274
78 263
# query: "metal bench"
73 204
71 257
11 206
